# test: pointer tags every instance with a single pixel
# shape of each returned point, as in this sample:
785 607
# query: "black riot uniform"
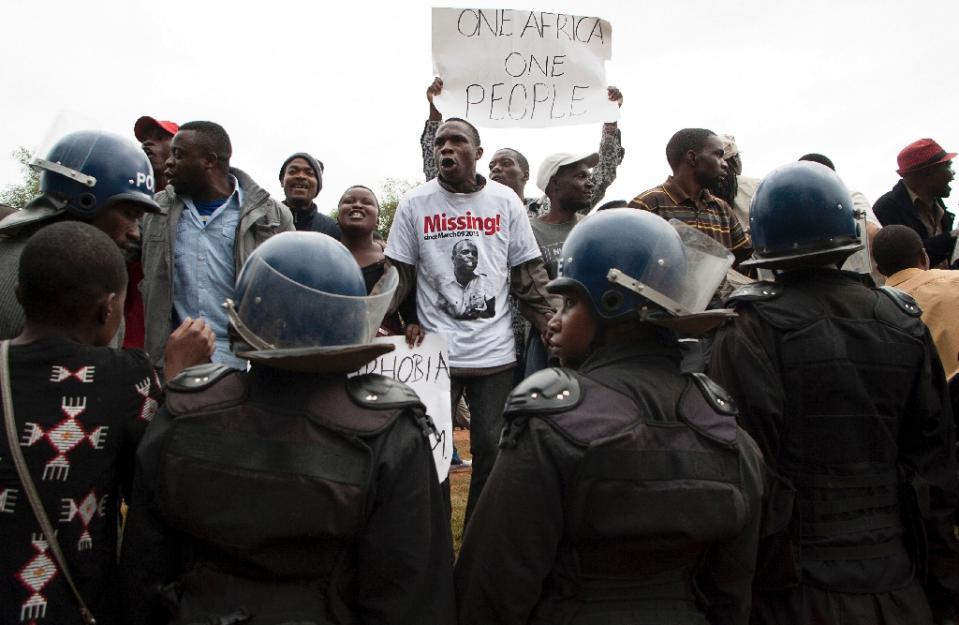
842 388
275 497
291 494
622 493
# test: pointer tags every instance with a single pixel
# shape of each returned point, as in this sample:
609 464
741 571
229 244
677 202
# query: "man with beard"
432 223
696 158
211 218
737 190
916 200
302 178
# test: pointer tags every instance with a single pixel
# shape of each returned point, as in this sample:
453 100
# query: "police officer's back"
842 389
624 491
291 494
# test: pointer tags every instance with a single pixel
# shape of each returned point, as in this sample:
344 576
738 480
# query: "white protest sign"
505 67
425 370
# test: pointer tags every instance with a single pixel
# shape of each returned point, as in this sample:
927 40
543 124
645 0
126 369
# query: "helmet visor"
860 261
680 281
283 313
707 262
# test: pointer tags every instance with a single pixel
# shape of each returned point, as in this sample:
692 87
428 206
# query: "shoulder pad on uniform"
756 291
716 395
709 410
204 388
198 378
379 392
903 300
546 391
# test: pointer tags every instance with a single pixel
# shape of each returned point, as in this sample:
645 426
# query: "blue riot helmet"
633 264
301 304
87 171
84 173
802 216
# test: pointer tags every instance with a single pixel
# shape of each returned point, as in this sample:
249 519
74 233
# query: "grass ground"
459 487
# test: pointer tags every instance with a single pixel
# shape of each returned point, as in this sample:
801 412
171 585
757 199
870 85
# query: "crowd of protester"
157 299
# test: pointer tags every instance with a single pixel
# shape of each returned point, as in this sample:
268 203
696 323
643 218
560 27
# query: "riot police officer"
623 492
93 176
842 389
291 493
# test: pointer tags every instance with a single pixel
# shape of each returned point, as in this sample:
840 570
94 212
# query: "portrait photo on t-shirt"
463 246
465 293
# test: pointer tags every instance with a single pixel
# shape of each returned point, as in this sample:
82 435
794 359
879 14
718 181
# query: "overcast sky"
856 80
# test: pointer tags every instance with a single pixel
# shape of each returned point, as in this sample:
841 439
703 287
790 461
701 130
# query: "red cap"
145 123
920 155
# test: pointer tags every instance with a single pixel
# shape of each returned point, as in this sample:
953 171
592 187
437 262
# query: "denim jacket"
260 218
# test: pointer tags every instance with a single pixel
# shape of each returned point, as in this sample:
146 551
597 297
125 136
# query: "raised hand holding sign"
504 67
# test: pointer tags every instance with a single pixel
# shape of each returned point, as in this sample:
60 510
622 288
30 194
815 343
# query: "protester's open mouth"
300 186
447 163
356 214
168 174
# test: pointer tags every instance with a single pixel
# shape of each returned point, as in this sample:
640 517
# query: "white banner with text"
425 370
533 69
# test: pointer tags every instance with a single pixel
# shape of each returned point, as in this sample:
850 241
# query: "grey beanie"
315 164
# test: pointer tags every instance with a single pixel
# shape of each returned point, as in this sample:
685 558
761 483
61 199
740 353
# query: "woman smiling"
358 213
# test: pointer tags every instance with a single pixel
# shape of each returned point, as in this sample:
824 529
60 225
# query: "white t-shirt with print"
463 246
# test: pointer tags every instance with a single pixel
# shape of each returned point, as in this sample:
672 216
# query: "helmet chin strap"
627 282
245 332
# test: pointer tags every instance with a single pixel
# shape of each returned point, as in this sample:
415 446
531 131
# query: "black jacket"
272 497
843 391
315 221
896 207
616 498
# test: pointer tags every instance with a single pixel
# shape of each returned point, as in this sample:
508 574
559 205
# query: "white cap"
550 164
730 149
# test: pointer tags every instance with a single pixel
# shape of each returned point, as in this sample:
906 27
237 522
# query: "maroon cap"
920 155
145 123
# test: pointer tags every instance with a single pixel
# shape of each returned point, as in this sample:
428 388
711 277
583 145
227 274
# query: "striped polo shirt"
708 214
